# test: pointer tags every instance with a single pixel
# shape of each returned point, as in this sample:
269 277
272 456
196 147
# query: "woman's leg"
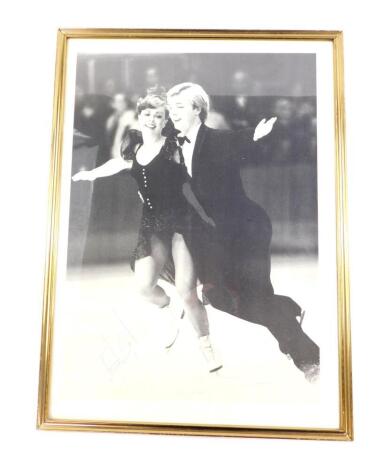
147 272
186 285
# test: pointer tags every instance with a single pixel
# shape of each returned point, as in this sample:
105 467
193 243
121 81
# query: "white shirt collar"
188 148
193 132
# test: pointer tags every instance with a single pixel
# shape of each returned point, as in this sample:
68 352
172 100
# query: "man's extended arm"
247 142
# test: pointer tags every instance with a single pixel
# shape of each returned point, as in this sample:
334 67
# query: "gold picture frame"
46 420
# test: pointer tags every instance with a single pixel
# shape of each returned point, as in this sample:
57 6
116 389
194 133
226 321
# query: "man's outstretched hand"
263 128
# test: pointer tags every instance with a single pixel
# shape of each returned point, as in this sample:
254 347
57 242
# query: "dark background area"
243 89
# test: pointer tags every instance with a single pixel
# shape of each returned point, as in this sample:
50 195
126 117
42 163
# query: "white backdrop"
28 40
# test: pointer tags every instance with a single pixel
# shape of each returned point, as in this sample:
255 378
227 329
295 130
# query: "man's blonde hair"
198 96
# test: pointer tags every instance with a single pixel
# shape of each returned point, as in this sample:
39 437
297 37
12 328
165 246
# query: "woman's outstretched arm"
109 168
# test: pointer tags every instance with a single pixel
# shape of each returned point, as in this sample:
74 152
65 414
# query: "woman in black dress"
165 233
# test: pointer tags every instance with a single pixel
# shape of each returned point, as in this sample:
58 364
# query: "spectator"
239 107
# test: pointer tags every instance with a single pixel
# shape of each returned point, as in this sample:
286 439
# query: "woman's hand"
193 201
83 176
208 220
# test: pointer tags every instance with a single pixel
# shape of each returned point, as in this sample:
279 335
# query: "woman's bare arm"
193 201
109 168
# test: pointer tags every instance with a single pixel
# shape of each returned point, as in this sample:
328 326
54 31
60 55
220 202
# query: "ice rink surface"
109 355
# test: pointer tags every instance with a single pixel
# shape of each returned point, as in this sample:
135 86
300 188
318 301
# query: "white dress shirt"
188 147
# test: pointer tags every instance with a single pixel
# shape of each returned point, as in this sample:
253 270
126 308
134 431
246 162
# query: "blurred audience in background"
122 118
90 115
110 87
283 181
152 78
239 108
102 119
294 136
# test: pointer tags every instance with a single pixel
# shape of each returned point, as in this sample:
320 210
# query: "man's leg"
257 303
278 314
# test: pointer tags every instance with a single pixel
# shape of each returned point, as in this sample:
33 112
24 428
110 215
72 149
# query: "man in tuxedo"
233 255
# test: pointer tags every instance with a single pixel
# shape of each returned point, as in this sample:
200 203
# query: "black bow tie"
182 140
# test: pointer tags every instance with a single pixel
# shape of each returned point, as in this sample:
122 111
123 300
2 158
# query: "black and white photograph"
197 258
